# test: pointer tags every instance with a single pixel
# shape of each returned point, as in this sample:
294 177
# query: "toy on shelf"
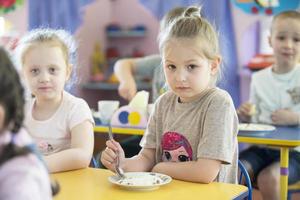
140 27
133 115
113 78
113 27
118 38
137 53
112 53
114 30
98 64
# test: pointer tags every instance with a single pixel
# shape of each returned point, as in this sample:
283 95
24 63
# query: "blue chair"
94 163
243 174
294 188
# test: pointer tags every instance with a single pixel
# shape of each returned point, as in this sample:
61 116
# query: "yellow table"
283 137
117 130
91 183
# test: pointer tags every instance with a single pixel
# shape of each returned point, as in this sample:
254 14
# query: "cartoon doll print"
175 148
45 147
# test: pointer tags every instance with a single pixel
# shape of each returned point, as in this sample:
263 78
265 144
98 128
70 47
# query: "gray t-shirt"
150 67
205 128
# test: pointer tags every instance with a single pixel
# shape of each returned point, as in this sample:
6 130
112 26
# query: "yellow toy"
98 64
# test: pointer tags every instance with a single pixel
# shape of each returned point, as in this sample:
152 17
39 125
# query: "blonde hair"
53 37
191 25
292 14
56 37
170 16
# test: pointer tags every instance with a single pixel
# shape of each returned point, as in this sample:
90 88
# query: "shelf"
125 34
113 86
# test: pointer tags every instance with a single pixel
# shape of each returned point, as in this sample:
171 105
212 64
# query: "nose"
181 75
44 77
288 43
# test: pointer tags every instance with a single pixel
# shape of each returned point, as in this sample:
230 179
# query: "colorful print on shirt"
45 147
176 148
295 94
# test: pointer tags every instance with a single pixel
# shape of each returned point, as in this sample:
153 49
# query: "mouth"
287 54
44 88
182 88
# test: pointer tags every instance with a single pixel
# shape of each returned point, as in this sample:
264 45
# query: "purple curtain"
65 14
219 13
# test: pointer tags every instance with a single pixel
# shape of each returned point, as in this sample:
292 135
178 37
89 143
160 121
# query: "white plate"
141 180
255 127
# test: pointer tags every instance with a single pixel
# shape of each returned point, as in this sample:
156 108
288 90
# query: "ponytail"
11 151
12 99
192 11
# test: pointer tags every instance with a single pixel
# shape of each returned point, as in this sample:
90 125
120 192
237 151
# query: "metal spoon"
118 169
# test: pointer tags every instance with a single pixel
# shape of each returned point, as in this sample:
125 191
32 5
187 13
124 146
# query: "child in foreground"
192 133
148 67
22 174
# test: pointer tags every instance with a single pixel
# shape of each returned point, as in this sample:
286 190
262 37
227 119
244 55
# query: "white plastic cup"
106 109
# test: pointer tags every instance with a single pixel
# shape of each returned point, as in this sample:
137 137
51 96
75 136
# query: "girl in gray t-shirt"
192 132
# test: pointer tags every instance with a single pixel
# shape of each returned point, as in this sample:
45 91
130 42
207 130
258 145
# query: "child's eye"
171 67
191 67
280 37
52 70
34 71
296 39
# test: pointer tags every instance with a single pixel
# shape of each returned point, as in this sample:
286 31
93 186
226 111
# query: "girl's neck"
44 109
41 103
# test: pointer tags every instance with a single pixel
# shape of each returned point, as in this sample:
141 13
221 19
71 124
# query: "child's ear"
215 65
270 41
69 71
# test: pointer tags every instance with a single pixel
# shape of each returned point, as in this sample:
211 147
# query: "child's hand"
109 155
284 117
127 89
245 111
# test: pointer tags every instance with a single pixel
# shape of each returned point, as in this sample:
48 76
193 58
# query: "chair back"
94 163
243 175
294 188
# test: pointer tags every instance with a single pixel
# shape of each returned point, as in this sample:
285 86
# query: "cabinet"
113 86
125 34
124 42
121 43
